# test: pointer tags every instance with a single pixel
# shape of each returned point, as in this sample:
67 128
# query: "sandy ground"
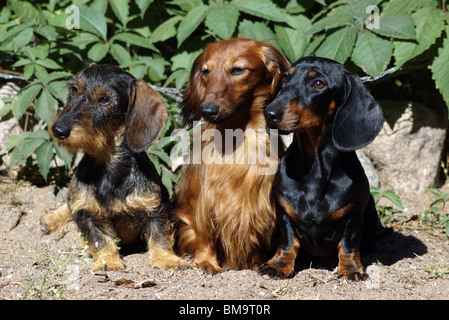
407 264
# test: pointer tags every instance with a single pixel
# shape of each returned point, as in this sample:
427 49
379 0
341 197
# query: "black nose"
209 111
273 115
61 132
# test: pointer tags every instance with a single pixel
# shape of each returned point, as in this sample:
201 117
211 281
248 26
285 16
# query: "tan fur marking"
288 209
53 220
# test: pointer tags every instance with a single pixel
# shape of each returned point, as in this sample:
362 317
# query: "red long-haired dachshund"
224 202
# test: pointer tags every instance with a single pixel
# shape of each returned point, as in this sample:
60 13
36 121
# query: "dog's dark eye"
205 72
73 89
237 71
104 100
318 84
284 78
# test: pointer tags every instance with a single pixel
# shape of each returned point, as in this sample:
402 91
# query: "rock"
8 90
408 151
370 171
8 127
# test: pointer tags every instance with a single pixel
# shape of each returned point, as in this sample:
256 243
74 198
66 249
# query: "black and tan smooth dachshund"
322 192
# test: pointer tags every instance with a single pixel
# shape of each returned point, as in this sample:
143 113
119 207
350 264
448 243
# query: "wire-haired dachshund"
322 191
116 196
226 210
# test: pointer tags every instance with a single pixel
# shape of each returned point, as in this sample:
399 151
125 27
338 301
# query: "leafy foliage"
437 216
387 213
159 40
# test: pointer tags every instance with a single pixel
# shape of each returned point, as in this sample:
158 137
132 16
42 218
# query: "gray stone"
8 127
407 153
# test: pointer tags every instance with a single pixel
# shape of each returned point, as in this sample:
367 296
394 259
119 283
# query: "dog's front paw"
109 263
209 268
355 275
166 259
53 220
275 270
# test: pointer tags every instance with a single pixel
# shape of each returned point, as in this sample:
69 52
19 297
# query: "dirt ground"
407 264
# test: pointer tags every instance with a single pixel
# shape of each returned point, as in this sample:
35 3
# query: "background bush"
406 58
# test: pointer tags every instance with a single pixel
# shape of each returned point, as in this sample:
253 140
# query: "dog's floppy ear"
358 120
147 116
190 106
276 64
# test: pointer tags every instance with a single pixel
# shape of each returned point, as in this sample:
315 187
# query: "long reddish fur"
226 212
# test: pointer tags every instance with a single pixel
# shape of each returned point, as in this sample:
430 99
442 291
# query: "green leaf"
358 10
264 9
17 140
167 182
48 63
26 11
40 72
161 155
190 22
435 191
83 39
165 30
63 154
143 6
59 90
46 106
400 6
222 19
338 46
293 41
390 195
184 60
257 31
7 107
93 21
26 147
375 193
314 44
163 142
56 76
21 62
440 67
400 26
26 99
13 31
120 54
99 5
121 10
44 156
187 5
181 76
28 71
429 23
98 51
441 199
338 17
134 39
371 53
49 32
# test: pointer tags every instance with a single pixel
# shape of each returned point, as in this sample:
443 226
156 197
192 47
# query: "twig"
381 75
11 75
18 220
6 76
171 92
